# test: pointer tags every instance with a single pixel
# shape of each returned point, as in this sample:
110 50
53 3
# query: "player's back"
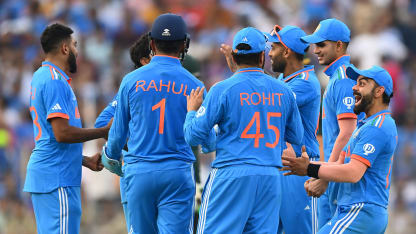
157 108
255 112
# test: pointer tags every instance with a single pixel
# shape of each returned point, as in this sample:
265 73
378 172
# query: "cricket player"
365 164
331 39
151 110
298 211
53 175
256 115
140 56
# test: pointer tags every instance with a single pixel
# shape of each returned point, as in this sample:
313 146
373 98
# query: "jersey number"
258 135
161 105
36 123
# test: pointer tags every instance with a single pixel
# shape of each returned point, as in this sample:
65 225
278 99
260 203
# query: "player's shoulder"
46 76
382 126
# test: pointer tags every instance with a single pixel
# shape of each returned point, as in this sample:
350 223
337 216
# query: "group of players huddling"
267 176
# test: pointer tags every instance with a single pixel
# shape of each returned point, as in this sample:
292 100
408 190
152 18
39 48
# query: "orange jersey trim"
334 62
347 116
58 115
50 68
166 56
361 159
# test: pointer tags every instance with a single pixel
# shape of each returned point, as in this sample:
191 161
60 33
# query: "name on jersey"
159 86
260 98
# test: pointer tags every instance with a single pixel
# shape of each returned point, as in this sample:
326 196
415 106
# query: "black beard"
365 104
72 62
279 64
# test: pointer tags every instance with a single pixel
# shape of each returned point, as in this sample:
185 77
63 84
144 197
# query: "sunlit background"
383 33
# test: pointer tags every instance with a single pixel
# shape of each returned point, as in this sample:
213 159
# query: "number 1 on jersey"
161 105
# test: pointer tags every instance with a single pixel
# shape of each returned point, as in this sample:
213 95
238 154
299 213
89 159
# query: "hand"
93 162
194 99
226 50
315 187
296 166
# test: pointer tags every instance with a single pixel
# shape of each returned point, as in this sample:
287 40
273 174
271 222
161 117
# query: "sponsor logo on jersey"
56 107
201 112
348 101
369 148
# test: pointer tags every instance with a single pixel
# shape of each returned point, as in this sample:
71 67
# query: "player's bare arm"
346 127
65 133
349 173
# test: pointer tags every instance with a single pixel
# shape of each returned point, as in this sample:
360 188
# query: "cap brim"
271 38
353 73
313 38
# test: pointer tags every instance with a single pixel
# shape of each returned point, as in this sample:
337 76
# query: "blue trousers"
58 212
327 204
160 201
357 218
241 199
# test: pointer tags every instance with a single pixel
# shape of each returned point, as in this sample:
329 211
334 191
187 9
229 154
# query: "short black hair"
53 35
246 59
386 98
140 49
169 47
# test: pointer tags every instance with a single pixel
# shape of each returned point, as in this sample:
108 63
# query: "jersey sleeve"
370 144
344 99
198 127
57 99
303 91
294 128
106 115
119 129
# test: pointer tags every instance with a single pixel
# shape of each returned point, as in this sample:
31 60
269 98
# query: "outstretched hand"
195 98
296 166
226 50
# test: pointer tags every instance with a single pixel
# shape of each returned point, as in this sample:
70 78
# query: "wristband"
313 170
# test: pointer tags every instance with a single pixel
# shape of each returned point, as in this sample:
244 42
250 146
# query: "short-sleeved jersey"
256 114
305 85
338 102
52 164
372 143
151 109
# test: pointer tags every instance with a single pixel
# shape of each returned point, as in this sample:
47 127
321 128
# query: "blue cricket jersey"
307 90
151 109
372 143
338 102
52 164
105 116
256 114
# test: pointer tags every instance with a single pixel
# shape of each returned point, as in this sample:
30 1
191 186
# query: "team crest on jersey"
201 112
369 148
349 102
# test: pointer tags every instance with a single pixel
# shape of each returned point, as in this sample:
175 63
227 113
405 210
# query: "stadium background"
383 33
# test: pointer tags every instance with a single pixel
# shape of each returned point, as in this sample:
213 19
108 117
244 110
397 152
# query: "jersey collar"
67 78
331 68
383 112
307 68
249 69
165 59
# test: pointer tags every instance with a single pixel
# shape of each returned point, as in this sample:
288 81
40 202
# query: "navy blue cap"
168 27
378 74
252 37
331 30
290 37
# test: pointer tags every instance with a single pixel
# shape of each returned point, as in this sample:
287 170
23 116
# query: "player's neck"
292 67
377 107
63 65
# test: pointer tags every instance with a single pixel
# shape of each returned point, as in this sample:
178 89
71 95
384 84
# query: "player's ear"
64 48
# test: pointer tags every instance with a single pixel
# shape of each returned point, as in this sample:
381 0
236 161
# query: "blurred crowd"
383 33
